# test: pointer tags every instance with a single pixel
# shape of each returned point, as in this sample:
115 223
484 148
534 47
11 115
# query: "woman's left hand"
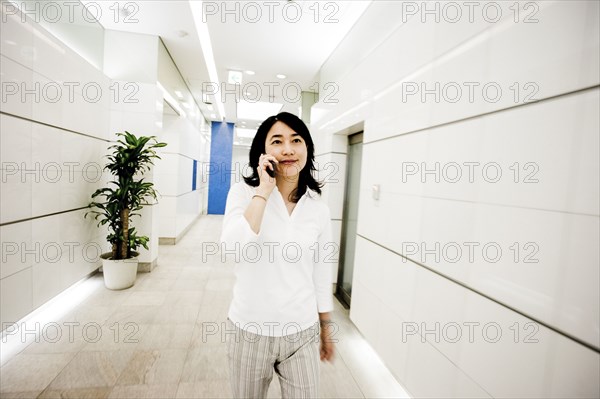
327 347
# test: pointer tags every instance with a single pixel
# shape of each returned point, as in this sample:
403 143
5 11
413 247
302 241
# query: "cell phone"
271 172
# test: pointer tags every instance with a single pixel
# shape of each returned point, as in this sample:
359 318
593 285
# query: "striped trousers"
253 358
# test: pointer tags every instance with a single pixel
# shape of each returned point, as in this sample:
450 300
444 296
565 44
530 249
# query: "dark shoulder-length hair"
306 179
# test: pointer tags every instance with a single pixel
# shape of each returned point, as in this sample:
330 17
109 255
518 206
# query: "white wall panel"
14 100
17 39
15 237
557 138
15 297
516 212
489 53
332 171
49 132
425 299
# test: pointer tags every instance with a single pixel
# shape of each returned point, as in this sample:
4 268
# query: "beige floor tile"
145 298
217 298
20 395
183 298
92 369
86 313
81 393
167 314
132 314
27 372
144 391
67 343
167 336
165 271
196 273
336 381
184 284
209 333
154 367
212 314
105 297
220 284
170 311
204 389
155 284
116 336
206 363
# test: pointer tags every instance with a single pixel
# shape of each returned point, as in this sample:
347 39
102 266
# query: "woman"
280 231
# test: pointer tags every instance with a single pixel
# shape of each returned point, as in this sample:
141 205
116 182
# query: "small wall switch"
375 191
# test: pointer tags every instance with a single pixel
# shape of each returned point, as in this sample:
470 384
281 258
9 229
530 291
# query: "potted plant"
131 157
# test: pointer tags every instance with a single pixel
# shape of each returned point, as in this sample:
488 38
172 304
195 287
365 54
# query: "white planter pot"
119 274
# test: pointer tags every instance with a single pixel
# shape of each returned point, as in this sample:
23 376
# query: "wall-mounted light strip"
207 50
16 337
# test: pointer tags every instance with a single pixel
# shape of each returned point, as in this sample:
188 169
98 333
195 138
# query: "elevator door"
349 221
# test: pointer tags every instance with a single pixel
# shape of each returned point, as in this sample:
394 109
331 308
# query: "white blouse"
283 274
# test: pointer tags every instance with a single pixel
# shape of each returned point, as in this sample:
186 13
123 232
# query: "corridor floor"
160 338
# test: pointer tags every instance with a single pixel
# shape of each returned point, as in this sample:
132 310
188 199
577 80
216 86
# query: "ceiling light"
125 12
250 72
245 133
181 33
258 111
207 51
178 94
281 76
234 77
210 107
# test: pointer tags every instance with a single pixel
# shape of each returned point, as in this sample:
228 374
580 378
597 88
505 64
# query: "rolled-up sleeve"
326 258
236 229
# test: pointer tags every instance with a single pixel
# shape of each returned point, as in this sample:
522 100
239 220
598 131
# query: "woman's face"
286 145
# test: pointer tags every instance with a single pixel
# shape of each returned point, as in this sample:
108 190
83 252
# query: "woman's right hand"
267 183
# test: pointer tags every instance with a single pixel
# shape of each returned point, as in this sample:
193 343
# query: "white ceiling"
272 45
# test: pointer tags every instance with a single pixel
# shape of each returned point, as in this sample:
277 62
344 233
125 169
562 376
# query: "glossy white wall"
53 134
543 288
59 113
187 137
180 203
